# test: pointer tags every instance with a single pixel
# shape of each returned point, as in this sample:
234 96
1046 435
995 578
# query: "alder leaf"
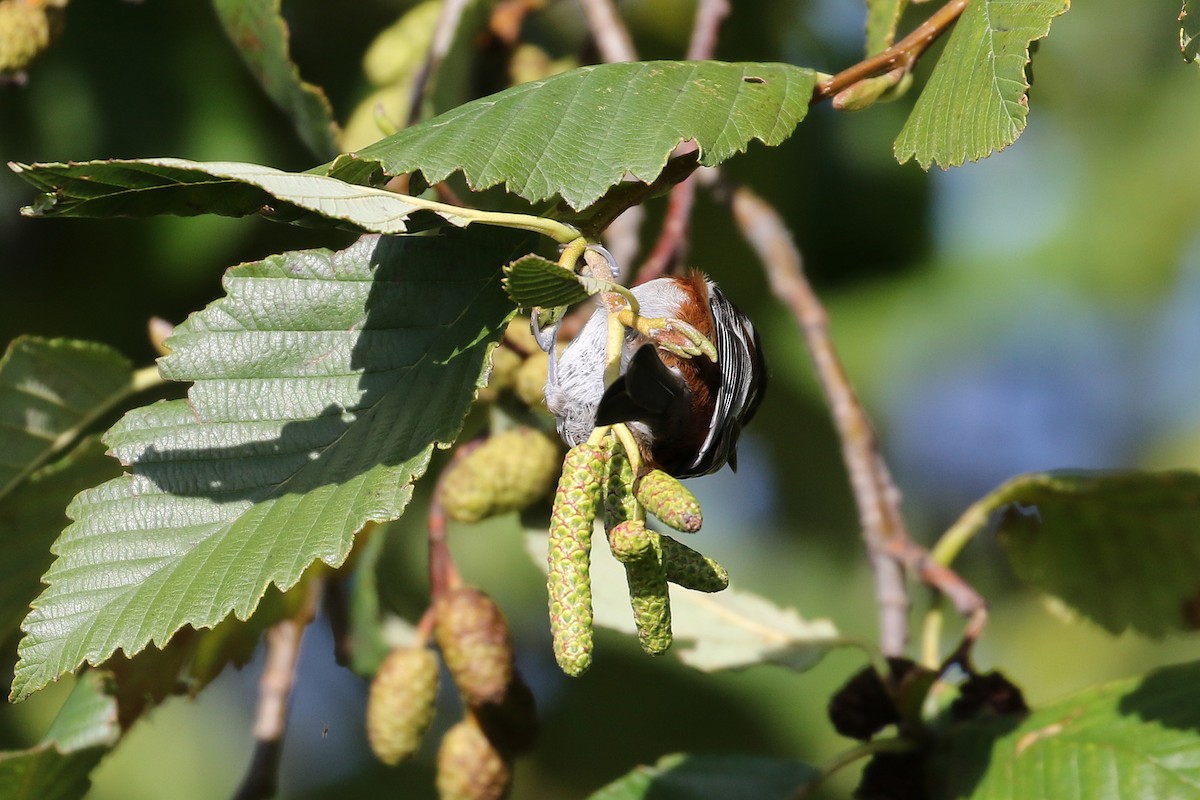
322 381
1128 740
535 281
713 632
1122 548
58 767
577 134
258 31
975 102
712 777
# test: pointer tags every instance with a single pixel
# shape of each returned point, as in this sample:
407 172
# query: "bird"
685 413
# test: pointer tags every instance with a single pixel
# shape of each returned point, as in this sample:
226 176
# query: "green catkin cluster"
692 570
640 550
400 704
666 498
569 557
25 31
469 767
508 472
476 645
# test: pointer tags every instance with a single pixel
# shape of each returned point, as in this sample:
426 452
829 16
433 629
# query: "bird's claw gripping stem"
670 334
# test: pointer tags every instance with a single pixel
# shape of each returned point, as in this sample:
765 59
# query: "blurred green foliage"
1032 311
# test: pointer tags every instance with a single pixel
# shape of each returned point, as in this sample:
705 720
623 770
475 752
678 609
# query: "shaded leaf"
707 777
579 133
1122 548
882 18
1136 738
535 281
50 391
727 630
59 766
32 516
322 382
975 102
260 35
1189 30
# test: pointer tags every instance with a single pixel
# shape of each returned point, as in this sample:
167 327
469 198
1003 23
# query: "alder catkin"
508 472
692 570
401 702
569 556
25 32
469 767
476 644
669 500
641 551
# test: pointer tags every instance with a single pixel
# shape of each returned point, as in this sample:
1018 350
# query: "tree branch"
902 54
611 35
274 691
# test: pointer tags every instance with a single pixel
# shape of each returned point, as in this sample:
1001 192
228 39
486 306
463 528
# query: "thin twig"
902 54
274 691
443 574
443 36
671 248
876 496
611 35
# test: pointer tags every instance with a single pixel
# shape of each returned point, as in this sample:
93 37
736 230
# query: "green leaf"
1189 31
975 102
257 29
1128 740
51 391
882 18
727 630
533 281
703 777
322 381
151 186
577 134
1122 548
58 767
32 516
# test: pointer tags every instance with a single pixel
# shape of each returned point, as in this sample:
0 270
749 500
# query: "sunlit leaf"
975 102
577 134
1122 548
535 281
727 630
260 35
1131 740
322 382
708 777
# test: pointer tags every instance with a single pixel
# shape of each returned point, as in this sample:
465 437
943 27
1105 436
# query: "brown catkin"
476 644
508 472
469 767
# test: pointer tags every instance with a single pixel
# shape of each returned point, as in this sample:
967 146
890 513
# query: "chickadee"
685 413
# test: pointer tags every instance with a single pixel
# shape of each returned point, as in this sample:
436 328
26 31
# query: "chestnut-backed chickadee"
685 413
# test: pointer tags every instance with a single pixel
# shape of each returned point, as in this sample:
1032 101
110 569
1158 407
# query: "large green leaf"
322 382
577 134
708 777
257 29
975 102
1131 740
1122 548
50 391
58 767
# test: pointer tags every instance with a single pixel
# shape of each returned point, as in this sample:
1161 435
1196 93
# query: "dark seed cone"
647 579
508 472
569 556
469 767
511 724
990 693
476 644
692 570
894 776
401 701
866 703
666 498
